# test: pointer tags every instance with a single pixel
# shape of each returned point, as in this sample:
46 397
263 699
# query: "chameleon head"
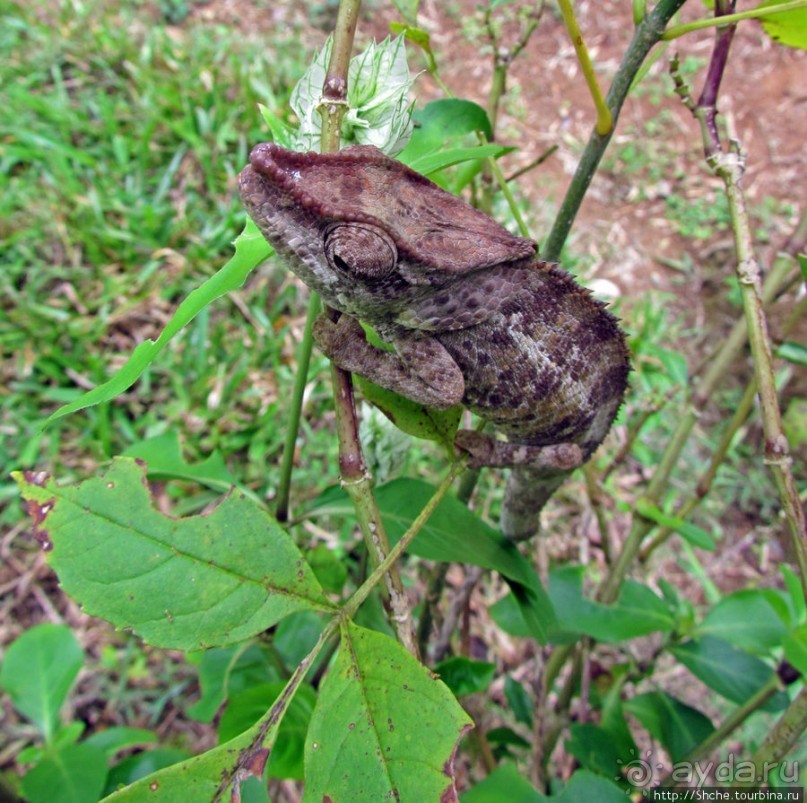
431 233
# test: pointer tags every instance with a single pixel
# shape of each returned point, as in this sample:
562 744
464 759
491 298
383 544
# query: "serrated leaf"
250 250
188 583
78 772
360 744
679 727
38 671
379 110
747 619
733 674
786 27
164 461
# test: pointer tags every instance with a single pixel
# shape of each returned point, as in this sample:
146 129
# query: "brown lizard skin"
472 312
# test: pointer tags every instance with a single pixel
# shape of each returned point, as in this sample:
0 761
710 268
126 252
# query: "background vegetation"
123 127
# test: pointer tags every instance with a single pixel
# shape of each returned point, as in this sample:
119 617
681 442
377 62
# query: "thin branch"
647 34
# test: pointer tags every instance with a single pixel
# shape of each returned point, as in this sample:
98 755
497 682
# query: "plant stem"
605 121
352 468
647 33
754 13
267 726
720 366
730 167
781 739
293 425
727 727
361 593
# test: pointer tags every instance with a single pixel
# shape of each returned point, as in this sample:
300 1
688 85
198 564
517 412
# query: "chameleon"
472 313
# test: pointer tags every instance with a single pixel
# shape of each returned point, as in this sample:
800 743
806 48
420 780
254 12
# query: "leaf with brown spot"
383 729
181 583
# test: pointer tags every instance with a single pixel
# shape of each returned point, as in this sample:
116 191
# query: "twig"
296 409
648 32
355 478
782 737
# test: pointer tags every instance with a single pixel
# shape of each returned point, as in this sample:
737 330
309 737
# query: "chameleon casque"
473 314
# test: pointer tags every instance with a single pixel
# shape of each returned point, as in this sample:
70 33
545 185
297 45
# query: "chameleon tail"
527 491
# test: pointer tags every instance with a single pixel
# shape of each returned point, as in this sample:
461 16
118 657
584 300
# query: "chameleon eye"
361 250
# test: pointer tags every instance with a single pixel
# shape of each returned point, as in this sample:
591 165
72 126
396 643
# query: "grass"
122 139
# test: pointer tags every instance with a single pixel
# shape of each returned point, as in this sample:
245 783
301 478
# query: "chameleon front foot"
420 368
487 451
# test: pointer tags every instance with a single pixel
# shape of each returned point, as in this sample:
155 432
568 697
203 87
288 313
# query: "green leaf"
594 748
795 644
360 743
296 636
504 783
188 583
250 250
78 773
679 727
138 766
379 110
796 599
245 709
695 535
430 163
507 737
794 422
114 739
282 133
519 700
198 778
453 534
329 569
585 785
464 676
408 9
791 351
228 670
442 121
733 674
413 418
746 619
787 27
417 36
38 671
163 457
637 612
